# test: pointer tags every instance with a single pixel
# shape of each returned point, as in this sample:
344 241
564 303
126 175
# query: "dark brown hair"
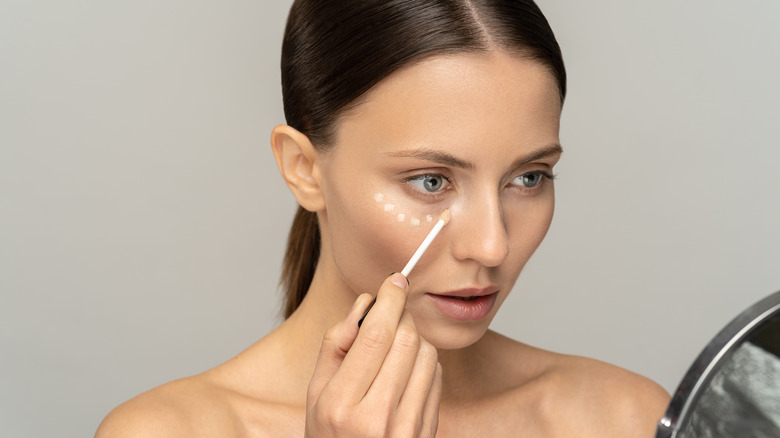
334 51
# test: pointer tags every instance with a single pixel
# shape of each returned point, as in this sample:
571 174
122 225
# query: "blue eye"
429 183
530 179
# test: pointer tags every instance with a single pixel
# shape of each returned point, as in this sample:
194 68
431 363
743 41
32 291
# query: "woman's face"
473 133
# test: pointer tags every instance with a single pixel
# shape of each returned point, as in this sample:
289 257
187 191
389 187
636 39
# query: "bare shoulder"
577 396
224 401
187 407
603 399
625 404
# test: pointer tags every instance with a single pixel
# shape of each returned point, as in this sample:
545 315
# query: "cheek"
374 237
527 226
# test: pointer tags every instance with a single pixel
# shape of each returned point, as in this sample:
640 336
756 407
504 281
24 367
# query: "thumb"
335 345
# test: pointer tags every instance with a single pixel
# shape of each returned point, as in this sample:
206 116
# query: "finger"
368 352
431 411
392 379
419 389
335 345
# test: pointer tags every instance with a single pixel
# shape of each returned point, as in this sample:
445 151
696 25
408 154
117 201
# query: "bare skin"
557 395
412 369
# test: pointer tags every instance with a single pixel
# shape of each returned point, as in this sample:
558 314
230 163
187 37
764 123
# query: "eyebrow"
545 152
438 157
446 159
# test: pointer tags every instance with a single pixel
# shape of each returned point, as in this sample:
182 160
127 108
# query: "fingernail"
355 304
399 280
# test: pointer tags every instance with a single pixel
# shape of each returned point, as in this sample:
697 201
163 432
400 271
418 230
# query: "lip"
453 305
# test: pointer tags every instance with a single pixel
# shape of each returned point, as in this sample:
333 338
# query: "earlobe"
296 158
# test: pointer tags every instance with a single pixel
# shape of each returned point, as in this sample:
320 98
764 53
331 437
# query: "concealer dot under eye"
391 209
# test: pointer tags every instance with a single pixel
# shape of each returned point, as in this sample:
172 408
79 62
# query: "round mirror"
733 387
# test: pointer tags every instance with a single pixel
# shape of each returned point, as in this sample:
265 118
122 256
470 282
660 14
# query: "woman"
398 110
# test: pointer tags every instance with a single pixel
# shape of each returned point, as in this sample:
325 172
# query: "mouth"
465 304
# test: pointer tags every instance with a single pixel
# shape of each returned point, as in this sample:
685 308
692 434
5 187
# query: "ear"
297 160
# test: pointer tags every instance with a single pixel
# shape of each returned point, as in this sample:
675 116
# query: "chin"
453 338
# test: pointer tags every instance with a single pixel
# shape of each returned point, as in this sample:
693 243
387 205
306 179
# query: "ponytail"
300 259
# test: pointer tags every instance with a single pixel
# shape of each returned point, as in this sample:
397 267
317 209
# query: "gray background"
142 219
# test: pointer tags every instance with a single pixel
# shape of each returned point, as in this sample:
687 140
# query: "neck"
327 302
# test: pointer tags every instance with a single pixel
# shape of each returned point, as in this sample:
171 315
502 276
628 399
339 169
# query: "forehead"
458 100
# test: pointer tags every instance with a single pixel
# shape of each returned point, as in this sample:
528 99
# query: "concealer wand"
443 220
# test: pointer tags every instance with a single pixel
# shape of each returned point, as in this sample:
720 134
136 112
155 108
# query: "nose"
481 235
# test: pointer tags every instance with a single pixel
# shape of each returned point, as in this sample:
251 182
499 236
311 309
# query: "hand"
382 380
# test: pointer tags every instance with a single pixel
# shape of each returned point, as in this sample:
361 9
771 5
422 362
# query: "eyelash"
439 193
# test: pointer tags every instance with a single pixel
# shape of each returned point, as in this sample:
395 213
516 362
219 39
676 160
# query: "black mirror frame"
710 360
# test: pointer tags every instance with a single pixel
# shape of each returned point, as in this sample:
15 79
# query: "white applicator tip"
443 220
